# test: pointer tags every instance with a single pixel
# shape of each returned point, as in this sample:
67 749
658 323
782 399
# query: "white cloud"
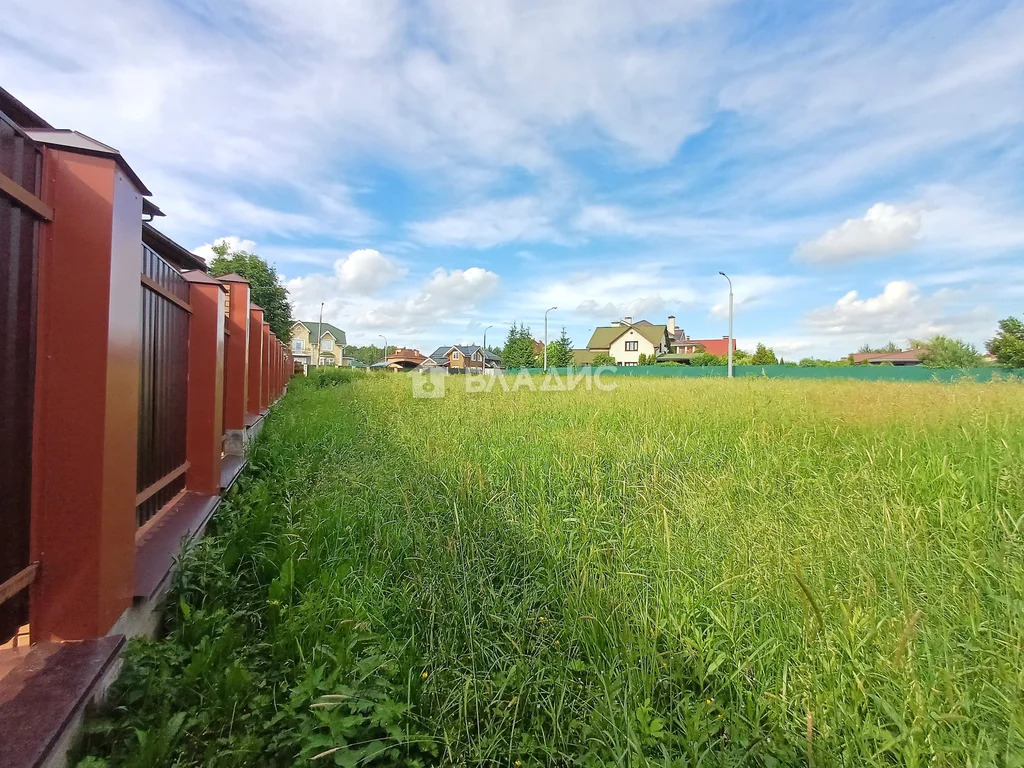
234 242
751 291
888 312
366 271
521 219
882 230
901 311
405 314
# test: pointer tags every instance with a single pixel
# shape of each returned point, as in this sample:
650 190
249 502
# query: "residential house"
902 357
626 341
404 359
682 345
461 358
330 350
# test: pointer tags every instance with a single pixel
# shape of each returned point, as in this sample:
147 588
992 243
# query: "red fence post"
87 399
265 376
274 350
236 363
205 383
280 369
253 406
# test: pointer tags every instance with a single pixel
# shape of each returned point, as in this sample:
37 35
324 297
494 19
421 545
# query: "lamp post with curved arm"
385 346
730 320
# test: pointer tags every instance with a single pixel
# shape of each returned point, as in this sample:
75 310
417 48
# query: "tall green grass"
675 573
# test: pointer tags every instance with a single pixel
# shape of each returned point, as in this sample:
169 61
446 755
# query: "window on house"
297 345
456 355
632 346
327 345
326 361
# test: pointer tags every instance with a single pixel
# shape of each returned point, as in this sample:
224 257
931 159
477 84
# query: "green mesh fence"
862 372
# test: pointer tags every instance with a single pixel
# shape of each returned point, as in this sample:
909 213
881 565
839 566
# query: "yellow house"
305 350
626 341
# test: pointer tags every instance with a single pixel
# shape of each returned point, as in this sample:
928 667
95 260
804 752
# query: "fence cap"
198 276
232 278
73 141
254 305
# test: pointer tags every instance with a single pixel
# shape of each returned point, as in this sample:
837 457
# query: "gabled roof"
325 328
439 355
603 336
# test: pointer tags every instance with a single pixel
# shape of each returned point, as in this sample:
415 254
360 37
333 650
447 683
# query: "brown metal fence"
21 163
163 391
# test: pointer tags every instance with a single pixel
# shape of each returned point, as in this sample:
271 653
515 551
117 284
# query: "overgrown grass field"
674 573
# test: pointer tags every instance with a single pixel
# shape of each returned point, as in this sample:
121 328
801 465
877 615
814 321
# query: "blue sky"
429 168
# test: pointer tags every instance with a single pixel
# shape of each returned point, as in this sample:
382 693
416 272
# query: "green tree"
764 356
890 347
560 351
944 352
1008 344
518 351
706 358
369 354
265 287
603 358
813 362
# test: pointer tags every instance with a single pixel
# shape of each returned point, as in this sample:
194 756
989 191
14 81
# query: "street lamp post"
730 320
319 333
483 369
385 346
546 337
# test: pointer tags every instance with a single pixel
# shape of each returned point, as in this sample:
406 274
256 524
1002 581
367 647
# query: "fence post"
253 406
86 415
265 375
236 363
205 433
280 368
275 353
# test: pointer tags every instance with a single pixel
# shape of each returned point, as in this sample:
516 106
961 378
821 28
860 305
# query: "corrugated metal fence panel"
21 161
861 372
163 385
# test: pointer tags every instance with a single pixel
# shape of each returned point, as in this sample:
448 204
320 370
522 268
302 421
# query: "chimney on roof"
629 319
671 325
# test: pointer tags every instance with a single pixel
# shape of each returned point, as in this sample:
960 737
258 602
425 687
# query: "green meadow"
679 572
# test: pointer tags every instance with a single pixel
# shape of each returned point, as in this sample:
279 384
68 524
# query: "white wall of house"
622 349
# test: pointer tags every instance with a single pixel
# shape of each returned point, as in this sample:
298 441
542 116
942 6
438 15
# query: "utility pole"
730 321
546 338
385 346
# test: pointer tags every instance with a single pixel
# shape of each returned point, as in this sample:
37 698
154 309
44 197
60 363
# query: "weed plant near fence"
674 573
